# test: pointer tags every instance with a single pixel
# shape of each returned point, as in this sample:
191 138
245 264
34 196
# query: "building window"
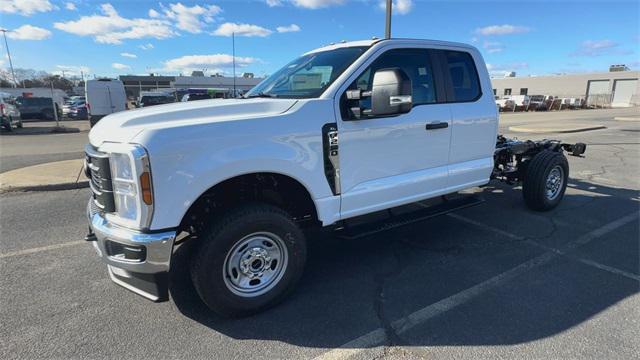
507 91
524 91
495 92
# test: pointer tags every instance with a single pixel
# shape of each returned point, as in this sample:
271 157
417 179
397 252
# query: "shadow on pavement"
351 287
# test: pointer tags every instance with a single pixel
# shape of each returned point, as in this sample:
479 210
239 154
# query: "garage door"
598 93
623 92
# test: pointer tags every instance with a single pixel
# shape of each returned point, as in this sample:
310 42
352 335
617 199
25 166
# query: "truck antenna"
387 29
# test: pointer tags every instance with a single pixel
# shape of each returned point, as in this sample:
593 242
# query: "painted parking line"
41 249
418 317
614 224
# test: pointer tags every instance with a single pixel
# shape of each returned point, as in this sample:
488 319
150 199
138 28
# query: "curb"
627 118
48 187
552 130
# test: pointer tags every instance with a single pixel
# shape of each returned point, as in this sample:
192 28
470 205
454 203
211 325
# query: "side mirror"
391 92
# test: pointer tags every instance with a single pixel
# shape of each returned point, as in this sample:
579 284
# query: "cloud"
189 63
272 3
190 19
290 28
111 28
401 7
599 47
316 4
249 30
502 30
492 47
70 6
147 46
25 7
128 55
154 14
28 32
119 66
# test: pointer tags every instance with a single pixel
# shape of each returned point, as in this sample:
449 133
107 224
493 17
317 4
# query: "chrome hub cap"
554 183
255 264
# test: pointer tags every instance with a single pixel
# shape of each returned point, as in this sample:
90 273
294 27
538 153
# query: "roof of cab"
367 43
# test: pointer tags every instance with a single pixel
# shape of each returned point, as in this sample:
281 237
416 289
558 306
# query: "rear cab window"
462 70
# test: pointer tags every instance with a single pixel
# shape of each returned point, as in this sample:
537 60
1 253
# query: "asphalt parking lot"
491 281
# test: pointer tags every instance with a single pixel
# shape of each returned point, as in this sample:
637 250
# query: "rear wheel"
545 181
249 260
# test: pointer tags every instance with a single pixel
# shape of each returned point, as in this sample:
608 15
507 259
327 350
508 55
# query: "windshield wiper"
260 95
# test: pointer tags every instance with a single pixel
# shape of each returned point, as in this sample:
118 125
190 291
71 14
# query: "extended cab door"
394 160
474 117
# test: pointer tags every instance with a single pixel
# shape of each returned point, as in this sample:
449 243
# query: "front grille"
99 174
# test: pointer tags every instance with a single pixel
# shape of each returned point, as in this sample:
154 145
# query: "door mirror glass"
390 92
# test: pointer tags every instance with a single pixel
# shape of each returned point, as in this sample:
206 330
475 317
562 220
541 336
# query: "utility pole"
6 45
233 51
387 29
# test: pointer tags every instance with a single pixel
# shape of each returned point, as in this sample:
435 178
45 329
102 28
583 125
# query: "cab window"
414 62
464 76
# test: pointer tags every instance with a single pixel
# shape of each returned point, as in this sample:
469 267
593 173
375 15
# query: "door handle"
438 125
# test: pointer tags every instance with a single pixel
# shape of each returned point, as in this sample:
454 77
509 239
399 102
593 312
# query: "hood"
124 126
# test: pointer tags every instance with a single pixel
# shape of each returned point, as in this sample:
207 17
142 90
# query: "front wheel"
545 181
249 260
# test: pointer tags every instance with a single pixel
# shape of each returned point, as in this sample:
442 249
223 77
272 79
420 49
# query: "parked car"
151 99
194 97
72 102
332 140
9 112
538 103
104 97
78 112
521 101
505 104
38 108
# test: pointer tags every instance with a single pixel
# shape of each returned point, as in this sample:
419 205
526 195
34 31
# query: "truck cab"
342 132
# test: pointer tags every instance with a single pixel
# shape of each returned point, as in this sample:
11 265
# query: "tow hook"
90 236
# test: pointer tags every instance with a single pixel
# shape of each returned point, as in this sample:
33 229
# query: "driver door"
387 161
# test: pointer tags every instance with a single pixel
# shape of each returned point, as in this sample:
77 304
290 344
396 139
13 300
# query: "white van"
104 97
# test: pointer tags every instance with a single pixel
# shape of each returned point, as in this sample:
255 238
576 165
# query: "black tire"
534 188
19 126
218 242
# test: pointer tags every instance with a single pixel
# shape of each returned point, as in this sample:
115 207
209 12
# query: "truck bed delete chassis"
512 156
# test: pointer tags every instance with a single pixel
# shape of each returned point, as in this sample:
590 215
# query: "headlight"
131 180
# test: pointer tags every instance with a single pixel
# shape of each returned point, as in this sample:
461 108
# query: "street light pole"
387 29
6 45
233 54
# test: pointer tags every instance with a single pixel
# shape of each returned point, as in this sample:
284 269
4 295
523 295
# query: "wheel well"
272 188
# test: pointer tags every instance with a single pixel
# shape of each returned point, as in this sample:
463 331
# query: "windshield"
307 76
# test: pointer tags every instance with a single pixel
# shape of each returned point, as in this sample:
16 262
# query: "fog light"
133 253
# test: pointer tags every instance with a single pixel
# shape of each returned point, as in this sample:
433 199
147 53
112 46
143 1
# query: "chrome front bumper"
138 261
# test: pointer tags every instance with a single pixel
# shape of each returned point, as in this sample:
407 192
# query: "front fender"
187 161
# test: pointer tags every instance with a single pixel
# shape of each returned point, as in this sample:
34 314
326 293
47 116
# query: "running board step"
402 216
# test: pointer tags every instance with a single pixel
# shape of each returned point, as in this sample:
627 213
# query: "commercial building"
602 89
134 84
222 83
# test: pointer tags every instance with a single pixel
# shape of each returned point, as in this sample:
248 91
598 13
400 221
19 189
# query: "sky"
110 38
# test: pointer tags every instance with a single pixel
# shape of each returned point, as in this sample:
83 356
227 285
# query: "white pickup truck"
338 134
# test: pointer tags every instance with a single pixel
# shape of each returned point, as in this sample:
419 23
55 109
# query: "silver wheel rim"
554 183
255 264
